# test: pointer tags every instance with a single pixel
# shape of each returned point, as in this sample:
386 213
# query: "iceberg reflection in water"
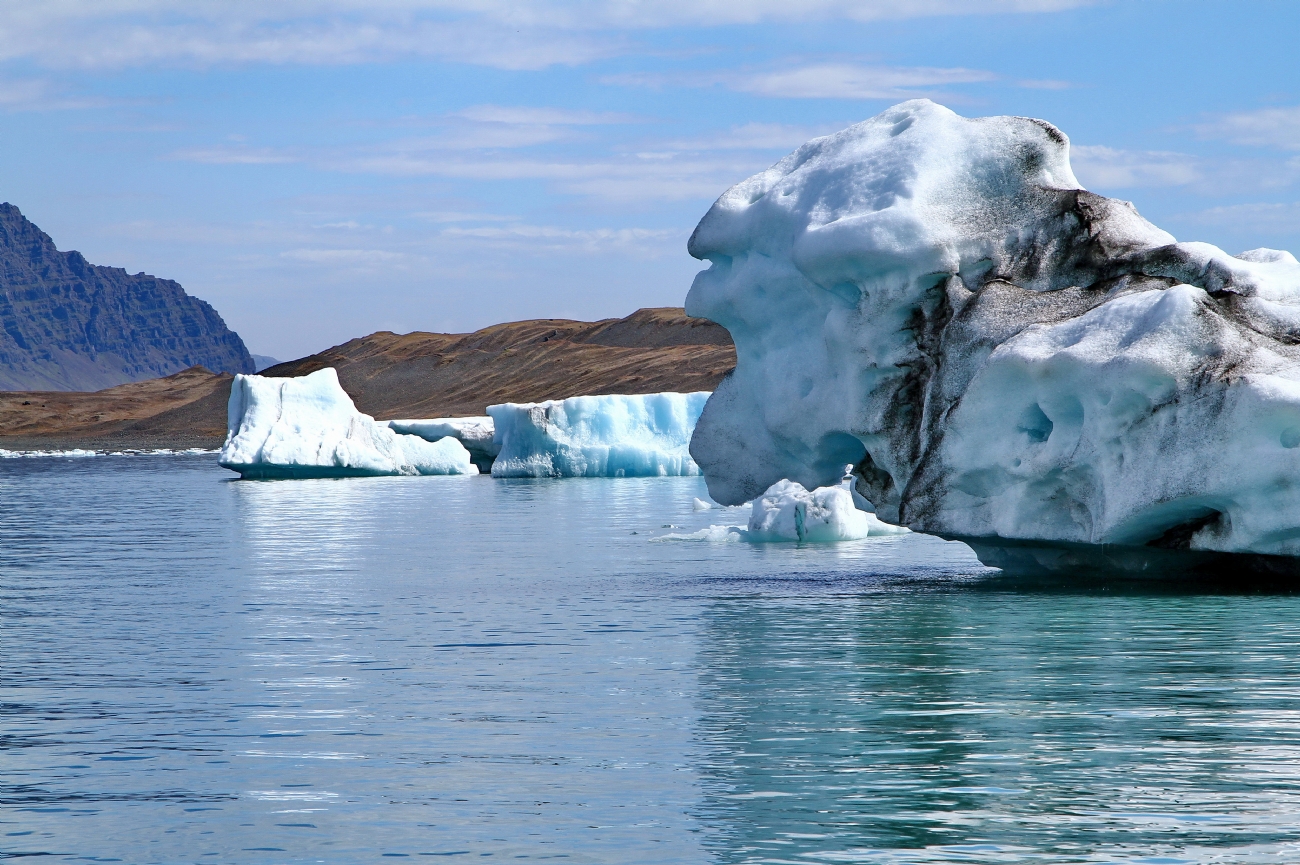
344 669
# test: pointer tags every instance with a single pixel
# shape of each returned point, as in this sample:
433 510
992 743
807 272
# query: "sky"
322 170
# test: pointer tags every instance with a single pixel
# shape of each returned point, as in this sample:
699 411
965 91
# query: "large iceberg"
309 427
642 435
1003 357
475 433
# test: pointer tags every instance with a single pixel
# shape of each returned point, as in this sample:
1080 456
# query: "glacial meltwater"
200 669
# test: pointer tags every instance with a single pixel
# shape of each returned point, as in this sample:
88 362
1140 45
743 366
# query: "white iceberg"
309 427
475 433
788 512
1002 355
642 435
711 534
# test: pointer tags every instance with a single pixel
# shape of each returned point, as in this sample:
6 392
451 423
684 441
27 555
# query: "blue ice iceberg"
643 435
309 427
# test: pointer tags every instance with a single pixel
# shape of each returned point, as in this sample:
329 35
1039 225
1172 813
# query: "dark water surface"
459 669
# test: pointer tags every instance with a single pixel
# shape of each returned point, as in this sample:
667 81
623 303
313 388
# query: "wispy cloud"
629 178
224 155
1276 218
462 216
502 33
849 81
752 136
519 115
41 95
1107 168
818 81
492 143
1043 84
344 257
1099 167
641 240
1265 127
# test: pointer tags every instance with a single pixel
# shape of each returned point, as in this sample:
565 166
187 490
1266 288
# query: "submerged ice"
309 427
998 352
642 435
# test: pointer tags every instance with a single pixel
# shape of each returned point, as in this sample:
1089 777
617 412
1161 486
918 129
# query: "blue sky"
322 170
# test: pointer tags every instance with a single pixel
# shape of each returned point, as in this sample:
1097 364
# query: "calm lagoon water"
195 669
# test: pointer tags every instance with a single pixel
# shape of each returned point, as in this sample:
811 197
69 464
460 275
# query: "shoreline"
110 443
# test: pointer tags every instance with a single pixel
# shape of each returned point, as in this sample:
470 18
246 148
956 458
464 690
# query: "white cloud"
626 179
819 81
641 240
1099 167
234 156
1107 168
530 116
461 216
344 257
1265 127
39 95
1274 218
506 34
1043 84
850 81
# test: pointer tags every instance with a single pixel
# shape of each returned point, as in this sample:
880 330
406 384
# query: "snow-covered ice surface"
642 435
309 427
1000 353
475 433
788 512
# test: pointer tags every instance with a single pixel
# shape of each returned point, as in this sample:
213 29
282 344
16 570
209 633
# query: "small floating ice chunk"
309 427
788 512
715 534
641 435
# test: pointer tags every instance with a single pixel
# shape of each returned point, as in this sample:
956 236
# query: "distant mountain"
262 361
71 325
390 376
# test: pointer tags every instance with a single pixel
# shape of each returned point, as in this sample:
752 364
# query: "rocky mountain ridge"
66 324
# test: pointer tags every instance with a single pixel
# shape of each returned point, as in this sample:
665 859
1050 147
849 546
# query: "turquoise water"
194 669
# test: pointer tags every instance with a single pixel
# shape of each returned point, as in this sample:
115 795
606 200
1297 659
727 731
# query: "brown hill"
391 376
441 375
187 409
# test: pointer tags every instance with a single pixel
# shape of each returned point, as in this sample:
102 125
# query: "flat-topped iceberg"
475 433
309 427
1000 354
642 435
